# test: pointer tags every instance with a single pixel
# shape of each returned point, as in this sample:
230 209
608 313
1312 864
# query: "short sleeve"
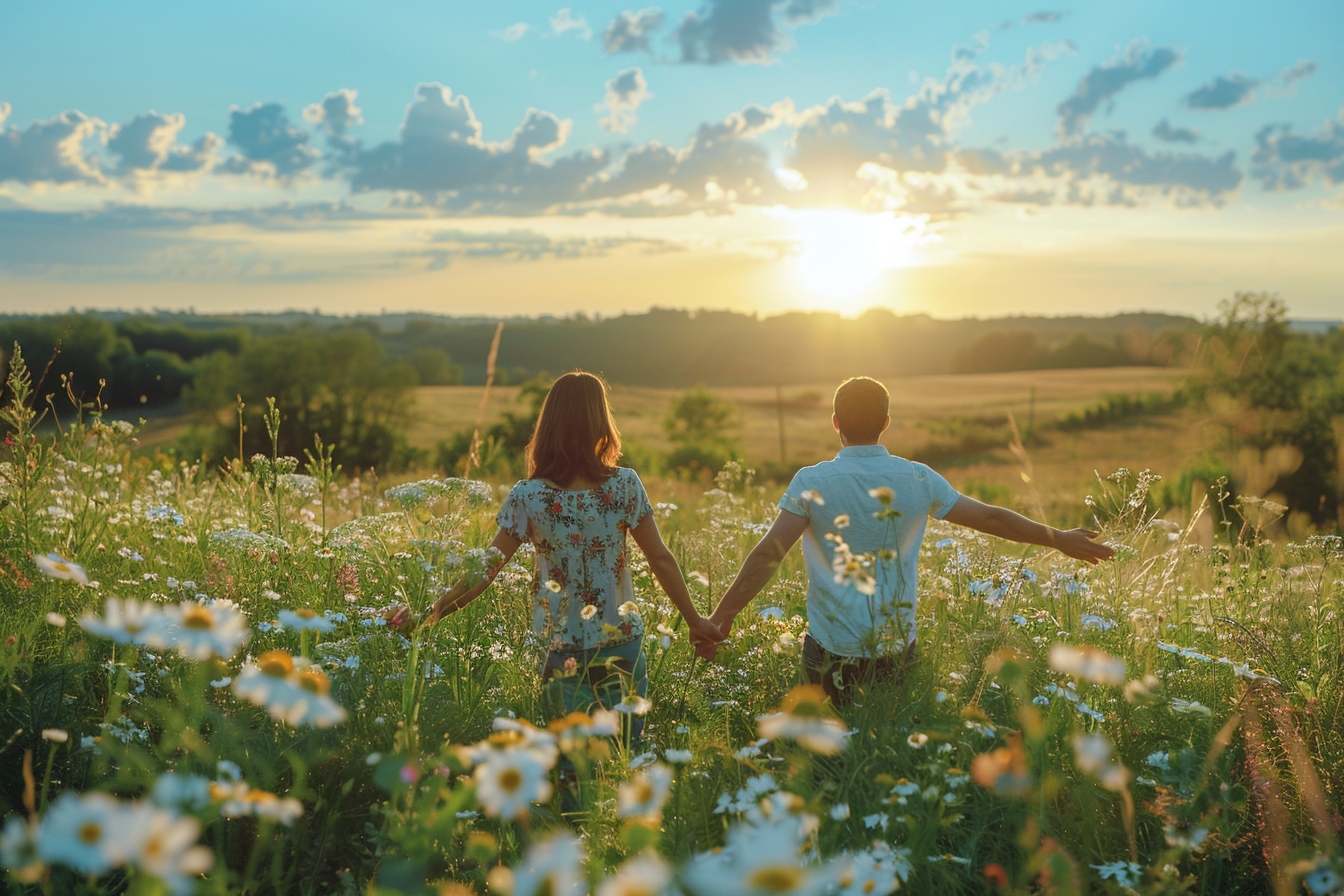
512 516
798 497
637 505
941 493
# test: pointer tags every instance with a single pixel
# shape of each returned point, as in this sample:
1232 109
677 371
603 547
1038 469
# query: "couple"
861 517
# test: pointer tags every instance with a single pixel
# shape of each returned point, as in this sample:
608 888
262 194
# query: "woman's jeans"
596 678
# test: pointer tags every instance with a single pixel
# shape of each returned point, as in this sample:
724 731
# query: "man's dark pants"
842 676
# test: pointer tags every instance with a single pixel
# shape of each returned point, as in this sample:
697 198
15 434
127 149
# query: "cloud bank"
1100 85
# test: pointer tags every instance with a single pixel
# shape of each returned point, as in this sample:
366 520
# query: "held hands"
1078 544
707 646
703 631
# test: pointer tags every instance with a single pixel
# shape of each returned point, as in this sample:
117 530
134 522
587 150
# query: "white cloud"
625 93
148 143
336 112
268 143
1286 160
52 151
512 32
1100 85
564 21
744 30
442 154
632 31
1223 92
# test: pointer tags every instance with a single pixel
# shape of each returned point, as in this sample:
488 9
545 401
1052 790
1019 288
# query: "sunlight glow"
843 253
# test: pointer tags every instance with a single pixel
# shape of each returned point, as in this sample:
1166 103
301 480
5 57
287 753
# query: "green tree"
699 424
1272 388
502 444
434 367
334 384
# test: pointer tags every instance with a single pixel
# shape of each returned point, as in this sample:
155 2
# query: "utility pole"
1031 415
779 414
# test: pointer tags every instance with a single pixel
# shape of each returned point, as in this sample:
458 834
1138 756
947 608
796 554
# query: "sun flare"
842 254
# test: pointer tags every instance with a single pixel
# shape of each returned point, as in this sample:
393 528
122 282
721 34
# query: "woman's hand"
705 636
703 631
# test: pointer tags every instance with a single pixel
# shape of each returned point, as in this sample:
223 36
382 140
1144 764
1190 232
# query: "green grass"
1238 797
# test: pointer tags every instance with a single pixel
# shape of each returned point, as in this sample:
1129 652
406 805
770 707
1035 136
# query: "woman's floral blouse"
580 559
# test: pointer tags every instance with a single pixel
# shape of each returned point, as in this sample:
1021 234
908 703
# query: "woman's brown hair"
575 435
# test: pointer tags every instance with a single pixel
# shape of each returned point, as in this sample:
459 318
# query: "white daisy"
805 717
1087 663
87 832
644 875
1093 754
199 631
168 848
553 867
634 705
292 690
237 799
123 620
509 781
644 794
304 620
58 567
18 850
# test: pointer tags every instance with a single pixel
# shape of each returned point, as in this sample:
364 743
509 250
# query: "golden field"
921 408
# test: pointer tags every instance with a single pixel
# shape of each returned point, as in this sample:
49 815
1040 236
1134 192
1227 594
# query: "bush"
699 425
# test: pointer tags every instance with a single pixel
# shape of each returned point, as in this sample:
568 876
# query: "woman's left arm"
668 573
466 591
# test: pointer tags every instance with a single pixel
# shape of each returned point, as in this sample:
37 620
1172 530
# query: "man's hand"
708 649
1004 523
703 631
1078 544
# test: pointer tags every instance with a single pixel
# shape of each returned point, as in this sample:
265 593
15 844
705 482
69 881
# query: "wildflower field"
213 682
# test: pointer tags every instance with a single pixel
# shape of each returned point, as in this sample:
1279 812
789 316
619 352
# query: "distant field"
924 408
1064 462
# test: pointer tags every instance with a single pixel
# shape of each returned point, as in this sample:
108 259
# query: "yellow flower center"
197 617
257 797
869 886
643 791
275 663
807 701
775 878
90 832
510 780
314 681
306 613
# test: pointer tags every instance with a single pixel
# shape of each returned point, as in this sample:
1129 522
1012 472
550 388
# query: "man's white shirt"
836 497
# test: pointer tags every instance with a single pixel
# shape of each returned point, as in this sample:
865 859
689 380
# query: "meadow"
213 682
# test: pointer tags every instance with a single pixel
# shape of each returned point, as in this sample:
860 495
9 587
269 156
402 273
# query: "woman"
576 507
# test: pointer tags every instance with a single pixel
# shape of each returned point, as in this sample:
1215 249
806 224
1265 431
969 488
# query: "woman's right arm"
466 591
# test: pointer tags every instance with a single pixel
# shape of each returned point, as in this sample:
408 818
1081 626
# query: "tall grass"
1213 764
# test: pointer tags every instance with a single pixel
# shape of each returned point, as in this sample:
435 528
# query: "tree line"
1275 393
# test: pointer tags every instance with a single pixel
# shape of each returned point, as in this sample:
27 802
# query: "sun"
842 254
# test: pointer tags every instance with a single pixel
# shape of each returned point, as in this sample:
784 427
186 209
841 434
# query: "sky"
963 157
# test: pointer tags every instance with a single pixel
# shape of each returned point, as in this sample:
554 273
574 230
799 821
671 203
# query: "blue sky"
682 154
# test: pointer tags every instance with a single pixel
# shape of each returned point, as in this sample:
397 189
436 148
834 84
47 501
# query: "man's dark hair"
861 407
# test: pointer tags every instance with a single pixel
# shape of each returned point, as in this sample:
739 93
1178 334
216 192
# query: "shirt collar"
864 451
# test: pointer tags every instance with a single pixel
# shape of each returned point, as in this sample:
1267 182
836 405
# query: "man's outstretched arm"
757 571
1004 523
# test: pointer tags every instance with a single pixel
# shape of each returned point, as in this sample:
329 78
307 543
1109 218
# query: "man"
862 517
